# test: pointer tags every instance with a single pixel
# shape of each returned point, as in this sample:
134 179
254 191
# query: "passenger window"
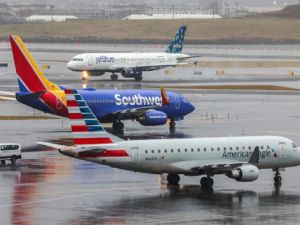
178 150
146 151
224 148
219 149
198 149
262 147
172 150
158 151
166 151
249 147
185 150
204 149
230 148
152 151
237 148
212 149
243 147
268 147
192 150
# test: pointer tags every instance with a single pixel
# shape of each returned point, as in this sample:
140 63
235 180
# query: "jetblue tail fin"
177 44
30 77
86 128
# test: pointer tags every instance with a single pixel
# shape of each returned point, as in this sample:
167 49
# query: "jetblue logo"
137 100
177 46
100 59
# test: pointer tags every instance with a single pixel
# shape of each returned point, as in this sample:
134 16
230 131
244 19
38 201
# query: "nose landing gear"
277 177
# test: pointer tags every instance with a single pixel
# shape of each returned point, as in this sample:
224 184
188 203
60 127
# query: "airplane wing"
214 166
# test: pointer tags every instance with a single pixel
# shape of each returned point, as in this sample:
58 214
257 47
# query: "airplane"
148 107
131 64
239 158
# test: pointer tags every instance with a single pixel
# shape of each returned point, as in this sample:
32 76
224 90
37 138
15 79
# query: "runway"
49 188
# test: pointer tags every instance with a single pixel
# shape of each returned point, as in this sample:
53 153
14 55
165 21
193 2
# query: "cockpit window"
294 145
185 100
78 59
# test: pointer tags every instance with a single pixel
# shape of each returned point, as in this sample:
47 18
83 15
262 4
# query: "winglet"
164 97
255 156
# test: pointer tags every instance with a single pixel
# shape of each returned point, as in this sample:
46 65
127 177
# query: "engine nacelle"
153 118
131 72
244 173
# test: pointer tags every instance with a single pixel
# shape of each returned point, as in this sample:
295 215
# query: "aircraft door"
135 154
90 60
283 150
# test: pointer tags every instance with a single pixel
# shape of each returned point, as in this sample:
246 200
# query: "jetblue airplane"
149 107
130 65
239 158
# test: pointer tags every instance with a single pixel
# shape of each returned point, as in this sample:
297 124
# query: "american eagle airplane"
239 158
148 107
130 64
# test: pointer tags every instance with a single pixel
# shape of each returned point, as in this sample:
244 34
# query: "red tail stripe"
72 103
107 153
79 128
68 92
87 141
74 116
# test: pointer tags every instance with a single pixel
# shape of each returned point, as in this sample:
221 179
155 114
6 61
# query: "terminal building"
174 13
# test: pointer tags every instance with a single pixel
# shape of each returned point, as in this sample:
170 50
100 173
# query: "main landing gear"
114 77
173 179
118 125
207 182
138 77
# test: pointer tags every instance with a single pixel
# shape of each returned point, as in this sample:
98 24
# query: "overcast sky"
203 3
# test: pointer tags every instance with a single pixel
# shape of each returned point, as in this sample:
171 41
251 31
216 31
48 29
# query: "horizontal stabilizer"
34 95
52 145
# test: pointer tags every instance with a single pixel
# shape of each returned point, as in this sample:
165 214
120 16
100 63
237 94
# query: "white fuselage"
180 155
115 62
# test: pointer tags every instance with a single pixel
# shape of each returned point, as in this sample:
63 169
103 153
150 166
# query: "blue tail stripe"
22 87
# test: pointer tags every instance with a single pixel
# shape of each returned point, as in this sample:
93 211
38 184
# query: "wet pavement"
49 188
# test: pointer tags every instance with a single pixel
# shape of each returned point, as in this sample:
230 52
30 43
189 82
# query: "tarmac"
48 188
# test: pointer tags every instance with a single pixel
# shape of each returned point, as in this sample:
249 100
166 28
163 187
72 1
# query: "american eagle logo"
274 153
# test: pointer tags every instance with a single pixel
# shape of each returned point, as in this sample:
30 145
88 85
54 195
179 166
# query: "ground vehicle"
10 151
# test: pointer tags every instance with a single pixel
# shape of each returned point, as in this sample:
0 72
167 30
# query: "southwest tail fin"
177 44
30 77
86 128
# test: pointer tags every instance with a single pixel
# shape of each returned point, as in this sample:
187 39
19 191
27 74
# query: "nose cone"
190 108
70 65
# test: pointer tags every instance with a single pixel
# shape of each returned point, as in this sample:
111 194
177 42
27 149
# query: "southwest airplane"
239 158
146 106
130 65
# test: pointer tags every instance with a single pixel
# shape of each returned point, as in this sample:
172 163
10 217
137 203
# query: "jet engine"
153 118
244 173
131 72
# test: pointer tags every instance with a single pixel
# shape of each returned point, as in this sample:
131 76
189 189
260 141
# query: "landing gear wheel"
207 182
13 160
138 78
114 77
173 179
118 125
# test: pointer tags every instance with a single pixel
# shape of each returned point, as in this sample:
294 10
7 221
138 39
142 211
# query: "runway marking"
285 133
45 200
